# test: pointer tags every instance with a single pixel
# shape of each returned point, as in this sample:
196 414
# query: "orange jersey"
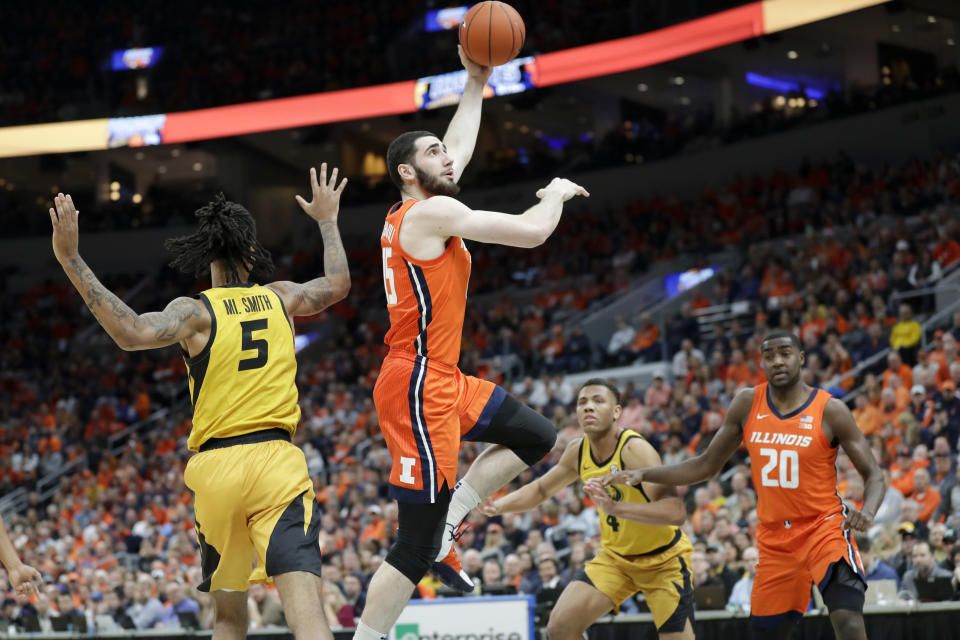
426 299
792 463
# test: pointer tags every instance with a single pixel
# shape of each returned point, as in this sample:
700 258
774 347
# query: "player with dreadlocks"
254 504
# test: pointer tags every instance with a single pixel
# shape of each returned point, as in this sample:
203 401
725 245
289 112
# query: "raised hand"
474 70
66 233
564 188
325 204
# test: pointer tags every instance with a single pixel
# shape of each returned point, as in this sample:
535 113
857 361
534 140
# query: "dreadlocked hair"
227 233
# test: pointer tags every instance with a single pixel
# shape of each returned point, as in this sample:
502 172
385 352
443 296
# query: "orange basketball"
492 33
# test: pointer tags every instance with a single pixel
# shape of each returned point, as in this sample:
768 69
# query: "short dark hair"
782 333
604 382
401 151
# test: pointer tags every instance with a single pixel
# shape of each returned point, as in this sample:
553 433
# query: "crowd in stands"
114 540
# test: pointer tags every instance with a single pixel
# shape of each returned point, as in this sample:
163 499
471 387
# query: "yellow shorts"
256 513
664 579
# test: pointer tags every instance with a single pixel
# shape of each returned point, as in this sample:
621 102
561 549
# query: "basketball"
492 33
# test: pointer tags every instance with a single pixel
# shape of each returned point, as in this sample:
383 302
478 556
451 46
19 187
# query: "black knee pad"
845 589
419 534
522 430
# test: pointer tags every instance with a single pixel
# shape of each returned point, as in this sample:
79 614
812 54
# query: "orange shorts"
792 559
425 409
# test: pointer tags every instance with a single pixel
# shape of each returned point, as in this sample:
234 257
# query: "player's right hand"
564 188
629 477
325 204
488 508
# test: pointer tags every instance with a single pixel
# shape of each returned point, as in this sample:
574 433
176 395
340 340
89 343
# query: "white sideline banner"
487 618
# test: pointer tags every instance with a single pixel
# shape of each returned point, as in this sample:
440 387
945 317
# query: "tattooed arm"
182 319
308 298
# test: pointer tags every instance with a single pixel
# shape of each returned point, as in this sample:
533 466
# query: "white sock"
363 632
464 499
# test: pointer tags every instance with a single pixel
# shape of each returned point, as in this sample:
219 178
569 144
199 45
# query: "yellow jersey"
244 380
624 537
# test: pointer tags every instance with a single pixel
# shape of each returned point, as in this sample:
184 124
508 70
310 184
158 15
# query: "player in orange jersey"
425 405
792 432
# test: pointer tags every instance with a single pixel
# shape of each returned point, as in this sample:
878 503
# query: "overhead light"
684 100
793 55
524 129
114 195
801 102
162 169
175 152
508 125
792 103
139 155
114 186
813 103
951 42
54 190
3 181
137 198
198 166
642 87
886 80
678 80
779 101
932 19
895 28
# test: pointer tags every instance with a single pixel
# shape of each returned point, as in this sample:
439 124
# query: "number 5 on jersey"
787 462
388 283
248 343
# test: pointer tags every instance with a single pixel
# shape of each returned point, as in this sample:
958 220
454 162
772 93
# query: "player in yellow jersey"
254 503
646 553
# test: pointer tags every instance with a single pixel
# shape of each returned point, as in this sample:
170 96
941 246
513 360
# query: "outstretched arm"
840 421
444 217
702 467
461 135
308 298
182 318
665 507
541 489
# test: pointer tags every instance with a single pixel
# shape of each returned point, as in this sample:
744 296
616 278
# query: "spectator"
896 368
924 568
145 611
947 250
873 567
513 572
925 370
740 596
680 360
700 569
265 609
646 345
177 603
658 393
549 574
866 415
634 415
618 348
902 559
335 608
492 573
355 594
717 557
949 507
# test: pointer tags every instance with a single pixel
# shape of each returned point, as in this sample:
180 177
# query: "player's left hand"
599 495
24 579
474 70
857 521
66 234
